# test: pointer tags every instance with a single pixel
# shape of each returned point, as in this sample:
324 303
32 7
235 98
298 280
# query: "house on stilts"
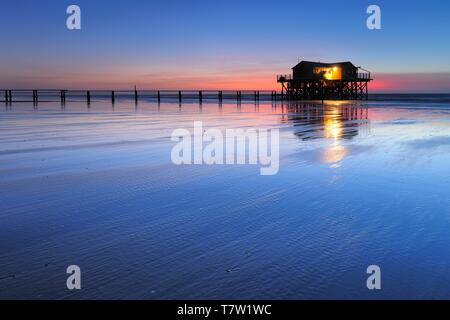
325 81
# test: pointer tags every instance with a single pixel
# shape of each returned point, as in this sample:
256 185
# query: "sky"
191 44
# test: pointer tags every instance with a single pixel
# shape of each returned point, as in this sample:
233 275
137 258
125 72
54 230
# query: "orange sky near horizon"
247 80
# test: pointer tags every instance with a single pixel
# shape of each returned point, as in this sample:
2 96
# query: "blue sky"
159 44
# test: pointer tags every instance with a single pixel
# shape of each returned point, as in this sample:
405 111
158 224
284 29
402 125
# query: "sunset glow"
177 45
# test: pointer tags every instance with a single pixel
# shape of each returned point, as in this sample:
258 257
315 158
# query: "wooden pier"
310 81
37 96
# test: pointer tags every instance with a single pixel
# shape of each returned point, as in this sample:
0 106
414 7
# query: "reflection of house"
318 81
329 122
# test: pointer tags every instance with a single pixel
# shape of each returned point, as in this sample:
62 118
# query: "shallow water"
358 185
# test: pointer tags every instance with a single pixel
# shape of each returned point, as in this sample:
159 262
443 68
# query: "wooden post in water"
10 96
200 96
220 93
88 97
159 96
6 96
135 95
179 96
35 99
36 96
113 97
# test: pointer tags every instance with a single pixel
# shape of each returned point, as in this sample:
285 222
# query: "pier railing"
284 77
62 95
359 76
363 76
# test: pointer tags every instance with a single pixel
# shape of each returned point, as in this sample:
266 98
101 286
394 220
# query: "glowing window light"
332 73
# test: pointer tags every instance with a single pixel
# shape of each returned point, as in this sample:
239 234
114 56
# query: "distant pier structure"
325 81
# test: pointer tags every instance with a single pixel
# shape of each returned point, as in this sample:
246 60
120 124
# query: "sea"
359 184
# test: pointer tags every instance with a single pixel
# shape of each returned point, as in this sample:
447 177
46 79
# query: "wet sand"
358 185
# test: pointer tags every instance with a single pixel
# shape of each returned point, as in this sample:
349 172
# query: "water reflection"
331 123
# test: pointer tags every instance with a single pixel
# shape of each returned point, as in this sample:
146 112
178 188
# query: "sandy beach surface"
358 184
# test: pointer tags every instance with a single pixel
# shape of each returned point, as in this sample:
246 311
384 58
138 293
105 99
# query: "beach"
359 183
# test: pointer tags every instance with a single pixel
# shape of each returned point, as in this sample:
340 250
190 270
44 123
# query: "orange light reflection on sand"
333 129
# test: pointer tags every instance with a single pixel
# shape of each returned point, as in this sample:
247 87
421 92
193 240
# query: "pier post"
8 96
367 90
239 96
159 96
135 95
179 97
88 97
220 96
35 99
200 96
63 96
113 97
